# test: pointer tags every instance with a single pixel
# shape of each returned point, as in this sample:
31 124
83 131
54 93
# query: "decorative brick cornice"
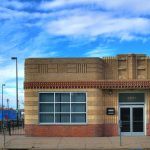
134 84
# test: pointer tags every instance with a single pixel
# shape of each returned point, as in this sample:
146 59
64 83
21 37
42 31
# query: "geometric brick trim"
115 84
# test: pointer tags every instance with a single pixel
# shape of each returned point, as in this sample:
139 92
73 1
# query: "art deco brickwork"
63 69
96 76
89 84
125 67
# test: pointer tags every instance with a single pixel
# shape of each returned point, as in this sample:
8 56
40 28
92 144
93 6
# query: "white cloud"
2 60
9 94
99 24
99 52
8 77
15 4
6 70
122 18
40 53
7 13
126 6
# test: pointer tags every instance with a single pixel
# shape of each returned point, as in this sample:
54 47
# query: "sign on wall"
131 97
110 111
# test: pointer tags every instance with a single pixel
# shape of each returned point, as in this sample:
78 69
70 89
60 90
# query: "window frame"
70 102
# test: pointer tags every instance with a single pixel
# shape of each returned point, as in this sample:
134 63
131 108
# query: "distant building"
87 96
8 114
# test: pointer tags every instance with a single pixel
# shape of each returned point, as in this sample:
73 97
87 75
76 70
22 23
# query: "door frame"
131 106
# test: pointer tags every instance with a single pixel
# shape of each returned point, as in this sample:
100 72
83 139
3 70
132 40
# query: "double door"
132 119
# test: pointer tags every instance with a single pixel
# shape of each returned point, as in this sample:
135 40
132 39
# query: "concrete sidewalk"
74 143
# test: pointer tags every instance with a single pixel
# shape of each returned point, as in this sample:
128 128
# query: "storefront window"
59 108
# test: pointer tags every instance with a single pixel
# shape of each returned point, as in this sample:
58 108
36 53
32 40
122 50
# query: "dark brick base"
148 129
71 130
110 130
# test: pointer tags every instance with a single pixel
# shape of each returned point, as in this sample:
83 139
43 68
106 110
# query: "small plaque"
110 111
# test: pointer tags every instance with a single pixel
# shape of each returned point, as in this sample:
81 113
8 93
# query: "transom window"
131 97
59 108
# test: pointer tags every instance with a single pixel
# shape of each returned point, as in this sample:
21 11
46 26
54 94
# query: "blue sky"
68 28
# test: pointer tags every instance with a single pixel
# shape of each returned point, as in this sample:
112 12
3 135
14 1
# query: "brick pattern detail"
91 130
89 84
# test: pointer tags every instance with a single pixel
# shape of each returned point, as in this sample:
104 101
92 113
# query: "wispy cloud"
15 4
101 25
124 6
9 94
40 53
5 72
8 77
109 18
2 60
100 18
99 52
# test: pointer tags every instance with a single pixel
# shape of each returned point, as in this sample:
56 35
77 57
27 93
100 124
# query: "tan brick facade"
96 77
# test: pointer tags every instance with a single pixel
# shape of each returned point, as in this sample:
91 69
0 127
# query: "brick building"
87 96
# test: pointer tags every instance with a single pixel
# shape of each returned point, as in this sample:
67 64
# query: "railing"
12 127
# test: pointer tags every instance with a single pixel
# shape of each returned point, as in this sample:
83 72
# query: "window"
62 108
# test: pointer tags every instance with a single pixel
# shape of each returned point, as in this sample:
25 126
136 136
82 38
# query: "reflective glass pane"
138 127
46 97
78 107
138 120
46 118
125 118
62 118
44 107
62 97
78 97
78 118
62 107
125 127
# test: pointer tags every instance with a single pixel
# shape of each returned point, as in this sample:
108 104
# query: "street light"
15 58
2 106
7 103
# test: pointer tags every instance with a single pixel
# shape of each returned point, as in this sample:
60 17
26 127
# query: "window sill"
61 124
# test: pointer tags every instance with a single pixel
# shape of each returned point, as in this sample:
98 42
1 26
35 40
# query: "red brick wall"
148 129
75 130
71 130
110 130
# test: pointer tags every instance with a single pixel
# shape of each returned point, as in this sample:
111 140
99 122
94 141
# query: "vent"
81 68
43 68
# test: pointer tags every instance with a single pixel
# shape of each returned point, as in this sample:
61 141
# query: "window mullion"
86 105
70 107
54 107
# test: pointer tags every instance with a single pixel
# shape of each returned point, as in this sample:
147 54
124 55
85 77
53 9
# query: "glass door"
125 118
132 119
137 120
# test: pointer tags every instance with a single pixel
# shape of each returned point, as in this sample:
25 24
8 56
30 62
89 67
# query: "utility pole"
15 58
